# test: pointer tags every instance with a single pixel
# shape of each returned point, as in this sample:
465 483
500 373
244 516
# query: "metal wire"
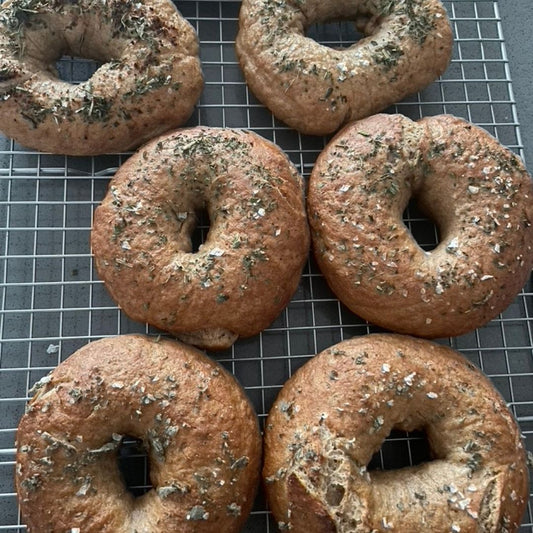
52 303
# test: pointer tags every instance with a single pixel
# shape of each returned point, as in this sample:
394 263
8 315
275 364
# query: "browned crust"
478 193
200 429
316 89
334 413
149 83
245 273
307 513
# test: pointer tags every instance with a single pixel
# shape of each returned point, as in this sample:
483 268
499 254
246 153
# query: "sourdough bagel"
148 83
199 429
250 264
334 414
316 89
476 191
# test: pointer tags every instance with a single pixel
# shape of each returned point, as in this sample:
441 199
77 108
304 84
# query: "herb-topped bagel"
198 427
148 83
476 191
316 89
249 266
336 411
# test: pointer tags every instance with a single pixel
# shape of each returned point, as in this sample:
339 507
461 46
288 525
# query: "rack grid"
52 302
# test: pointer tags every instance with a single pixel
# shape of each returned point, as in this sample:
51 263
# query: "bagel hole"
401 449
201 229
424 230
134 465
337 35
76 70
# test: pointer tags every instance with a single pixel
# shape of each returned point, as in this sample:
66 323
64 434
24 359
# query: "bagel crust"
148 83
200 431
336 411
249 266
476 191
316 89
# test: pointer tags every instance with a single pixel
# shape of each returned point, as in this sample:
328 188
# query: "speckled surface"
52 303
517 16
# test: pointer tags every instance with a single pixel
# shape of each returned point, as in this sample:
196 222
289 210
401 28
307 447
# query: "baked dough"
148 83
316 89
476 191
200 431
250 264
334 414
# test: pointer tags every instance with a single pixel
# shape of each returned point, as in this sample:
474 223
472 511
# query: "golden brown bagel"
316 89
477 192
148 83
250 264
200 431
334 414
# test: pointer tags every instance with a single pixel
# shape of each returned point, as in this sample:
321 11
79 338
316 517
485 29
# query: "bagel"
250 264
476 191
316 89
148 83
335 412
199 429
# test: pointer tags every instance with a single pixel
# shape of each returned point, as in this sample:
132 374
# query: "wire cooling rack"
52 301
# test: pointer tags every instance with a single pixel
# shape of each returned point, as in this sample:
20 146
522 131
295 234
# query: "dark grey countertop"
517 16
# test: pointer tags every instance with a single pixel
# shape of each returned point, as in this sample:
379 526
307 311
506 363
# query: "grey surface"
51 301
517 23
